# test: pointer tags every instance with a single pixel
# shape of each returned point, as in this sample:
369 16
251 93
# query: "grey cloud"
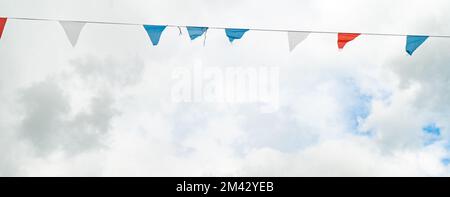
87 129
45 108
429 67
48 125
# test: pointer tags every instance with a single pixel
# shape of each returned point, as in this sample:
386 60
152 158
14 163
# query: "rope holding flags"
73 30
2 25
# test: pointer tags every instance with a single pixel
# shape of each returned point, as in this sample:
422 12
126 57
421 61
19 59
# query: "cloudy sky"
104 108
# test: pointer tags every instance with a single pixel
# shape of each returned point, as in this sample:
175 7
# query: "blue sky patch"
432 129
432 133
359 105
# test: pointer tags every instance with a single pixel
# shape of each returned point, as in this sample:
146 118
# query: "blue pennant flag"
414 42
195 32
154 32
234 34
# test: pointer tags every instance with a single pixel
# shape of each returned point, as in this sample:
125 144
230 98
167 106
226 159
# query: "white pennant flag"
296 38
73 30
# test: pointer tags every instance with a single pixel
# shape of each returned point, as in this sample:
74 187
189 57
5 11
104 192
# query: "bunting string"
73 29
220 27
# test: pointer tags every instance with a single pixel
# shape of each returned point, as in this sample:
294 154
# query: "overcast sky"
104 108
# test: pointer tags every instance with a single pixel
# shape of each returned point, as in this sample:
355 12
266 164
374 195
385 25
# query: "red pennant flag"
2 25
344 38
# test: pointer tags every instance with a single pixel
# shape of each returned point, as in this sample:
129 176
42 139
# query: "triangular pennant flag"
73 30
195 32
2 25
234 34
154 32
296 38
344 38
414 42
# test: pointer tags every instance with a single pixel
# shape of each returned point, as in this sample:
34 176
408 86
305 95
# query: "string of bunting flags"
73 30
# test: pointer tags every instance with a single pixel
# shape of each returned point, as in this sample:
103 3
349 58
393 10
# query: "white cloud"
345 157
